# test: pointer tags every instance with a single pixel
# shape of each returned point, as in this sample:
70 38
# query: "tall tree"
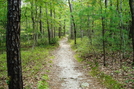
103 33
48 26
41 29
13 45
33 22
60 27
131 3
72 19
64 27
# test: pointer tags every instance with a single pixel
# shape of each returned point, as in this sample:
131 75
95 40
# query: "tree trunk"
71 30
41 30
60 32
64 27
73 22
54 32
88 29
60 27
48 27
131 3
51 25
36 24
103 34
33 23
13 45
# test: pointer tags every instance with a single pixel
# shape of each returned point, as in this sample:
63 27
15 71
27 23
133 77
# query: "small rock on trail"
67 73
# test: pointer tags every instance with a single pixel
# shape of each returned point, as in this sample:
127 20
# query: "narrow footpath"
67 73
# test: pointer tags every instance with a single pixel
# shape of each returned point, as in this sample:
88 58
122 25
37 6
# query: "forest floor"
57 68
67 73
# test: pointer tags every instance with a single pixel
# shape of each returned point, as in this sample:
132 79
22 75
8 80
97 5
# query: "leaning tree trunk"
131 3
13 45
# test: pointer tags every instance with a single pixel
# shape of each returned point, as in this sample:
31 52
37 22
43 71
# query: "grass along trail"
67 73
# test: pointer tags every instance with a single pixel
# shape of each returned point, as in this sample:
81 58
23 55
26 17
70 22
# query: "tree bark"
64 27
33 23
13 45
51 25
54 32
103 34
131 3
60 32
41 30
73 22
60 28
48 27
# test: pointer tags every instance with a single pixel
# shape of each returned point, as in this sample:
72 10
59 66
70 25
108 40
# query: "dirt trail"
67 73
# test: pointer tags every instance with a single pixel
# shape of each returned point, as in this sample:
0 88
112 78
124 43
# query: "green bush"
42 41
54 41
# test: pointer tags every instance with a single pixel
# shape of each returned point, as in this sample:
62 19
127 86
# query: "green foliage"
3 23
43 83
3 13
33 60
88 18
54 41
107 80
78 57
3 65
104 79
84 47
127 81
42 42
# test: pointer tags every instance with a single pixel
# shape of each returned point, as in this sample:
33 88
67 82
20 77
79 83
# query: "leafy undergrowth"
33 66
105 79
43 84
37 61
113 76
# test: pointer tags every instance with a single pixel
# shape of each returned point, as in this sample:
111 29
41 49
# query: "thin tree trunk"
64 27
36 24
121 35
60 32
33 23
54 32
13 45
60 28
88 30
51 14
41 30
73 22
48 28
71 30
81 31
103 35
26 23
131 3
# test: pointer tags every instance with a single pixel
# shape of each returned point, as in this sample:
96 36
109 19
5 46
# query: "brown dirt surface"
67 73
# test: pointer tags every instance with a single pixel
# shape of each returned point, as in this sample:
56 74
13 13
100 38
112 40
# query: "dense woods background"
102 31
